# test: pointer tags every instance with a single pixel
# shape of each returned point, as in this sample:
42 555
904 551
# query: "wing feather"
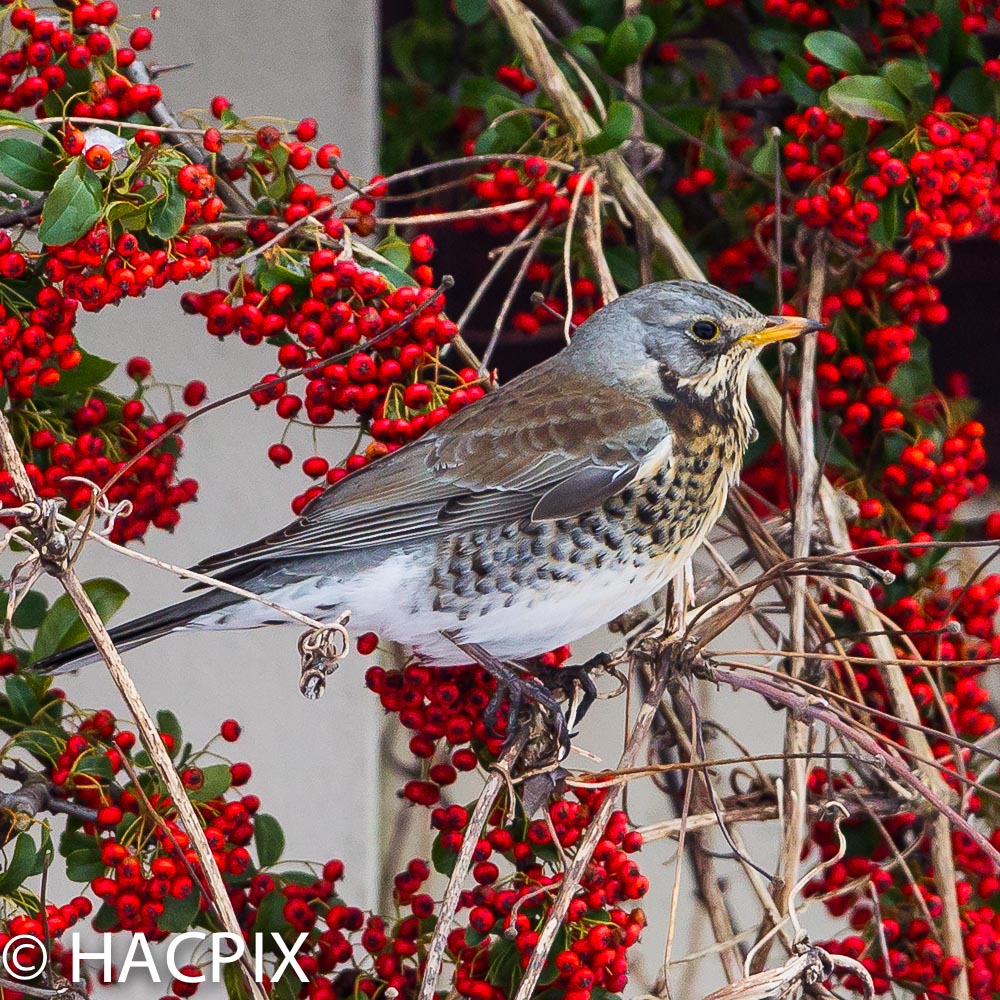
520 452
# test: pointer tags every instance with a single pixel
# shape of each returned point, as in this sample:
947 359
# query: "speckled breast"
478 571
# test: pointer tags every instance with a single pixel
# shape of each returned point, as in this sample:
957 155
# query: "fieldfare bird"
530 519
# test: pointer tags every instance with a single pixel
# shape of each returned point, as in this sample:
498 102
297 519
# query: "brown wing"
523 451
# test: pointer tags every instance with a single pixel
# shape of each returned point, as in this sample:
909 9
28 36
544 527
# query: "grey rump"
534 516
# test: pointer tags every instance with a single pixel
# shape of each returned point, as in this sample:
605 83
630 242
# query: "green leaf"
16 121
764 159
269 839
105 918
20 865
42 743
167 722
386 268
90 372
94 764
627 42
28 164
472 11
615 131
886 227
444 861
910 77
972 92
586 34
267 275
62 627
396 251
270 916
73 205
216 781
914 379
179 914
22 697
868 97
84 865
167 215
476 91
31 610
837 50
792 74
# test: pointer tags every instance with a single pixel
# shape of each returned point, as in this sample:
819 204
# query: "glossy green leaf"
472 11
615 131
627 42
22 697
62 627
269 839
20 864
270 917
910 77
443 861
792 74
586 34
73 205
9 119
868 97
216 781
373 259
396 251
27 163
84 865
837 50
168 724
30 612
179 914
167 215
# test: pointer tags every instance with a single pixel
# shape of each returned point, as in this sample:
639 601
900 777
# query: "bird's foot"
519 691
577 684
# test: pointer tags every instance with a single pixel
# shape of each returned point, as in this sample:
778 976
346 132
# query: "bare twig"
497 781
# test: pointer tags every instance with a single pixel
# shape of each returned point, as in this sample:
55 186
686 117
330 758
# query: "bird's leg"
574 680
510 682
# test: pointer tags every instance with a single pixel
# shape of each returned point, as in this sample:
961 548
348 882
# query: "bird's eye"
704 330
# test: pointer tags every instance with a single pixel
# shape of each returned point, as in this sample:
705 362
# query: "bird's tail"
136 633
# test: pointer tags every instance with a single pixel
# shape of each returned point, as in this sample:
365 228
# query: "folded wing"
518 454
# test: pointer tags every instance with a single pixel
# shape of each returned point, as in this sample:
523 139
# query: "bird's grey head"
698 336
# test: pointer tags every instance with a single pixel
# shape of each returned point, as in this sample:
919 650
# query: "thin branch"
497 781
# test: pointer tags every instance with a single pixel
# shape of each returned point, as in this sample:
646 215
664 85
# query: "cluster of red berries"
440 705
96 446
444 708
37 59
37 345
97 273
390 379
503 914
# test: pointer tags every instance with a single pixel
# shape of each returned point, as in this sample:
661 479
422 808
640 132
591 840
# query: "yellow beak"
781 328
